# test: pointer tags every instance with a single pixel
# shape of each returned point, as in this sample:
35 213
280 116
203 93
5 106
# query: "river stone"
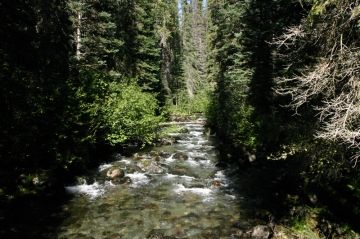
143 164
260 232
165 154
167 141
114 173
138 157
199 158
184 130
216 183
124 180
155 169
179 171
158 234
150 167
180 156
157 158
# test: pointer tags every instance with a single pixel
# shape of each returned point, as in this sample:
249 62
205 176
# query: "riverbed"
170 191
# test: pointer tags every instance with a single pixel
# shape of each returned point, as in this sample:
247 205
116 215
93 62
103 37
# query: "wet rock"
115 173
167 141
260 232
143 164
200 158
154 153
113 236
165 154
184 131
150 166
133 169
216 183
181 156
237 233
157 158
124 180
155 169
158 234
138 157
179 171
194 185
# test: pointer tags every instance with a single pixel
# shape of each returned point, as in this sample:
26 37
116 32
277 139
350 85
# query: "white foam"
230 196
220 176
170 176
180 188
187 178
196 133
193 162
138 179
205 162
197 154
202 142
183 141
104 167
170 159
93 190
125 161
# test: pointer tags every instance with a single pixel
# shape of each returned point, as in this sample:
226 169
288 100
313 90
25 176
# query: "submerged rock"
181 156
124 180
158 234
200 158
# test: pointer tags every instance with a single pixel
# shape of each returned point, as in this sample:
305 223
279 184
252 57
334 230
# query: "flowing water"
173 191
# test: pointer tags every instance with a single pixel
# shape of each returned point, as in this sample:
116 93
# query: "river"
171 191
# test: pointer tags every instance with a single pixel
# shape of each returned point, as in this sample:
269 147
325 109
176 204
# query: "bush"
130 115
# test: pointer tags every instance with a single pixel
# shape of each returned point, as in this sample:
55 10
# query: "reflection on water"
174 191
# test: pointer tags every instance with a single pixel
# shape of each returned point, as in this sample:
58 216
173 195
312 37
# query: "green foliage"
65 82
187 106
130 115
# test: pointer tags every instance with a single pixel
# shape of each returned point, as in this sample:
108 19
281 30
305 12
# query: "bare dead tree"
334 77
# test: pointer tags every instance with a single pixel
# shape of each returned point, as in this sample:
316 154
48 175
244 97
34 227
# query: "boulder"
114 173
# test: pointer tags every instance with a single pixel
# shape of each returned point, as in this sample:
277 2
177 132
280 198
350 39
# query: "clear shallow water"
168 196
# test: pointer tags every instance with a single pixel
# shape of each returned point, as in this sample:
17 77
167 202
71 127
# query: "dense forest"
277 80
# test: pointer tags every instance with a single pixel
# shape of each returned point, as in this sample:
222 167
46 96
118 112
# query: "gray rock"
114 173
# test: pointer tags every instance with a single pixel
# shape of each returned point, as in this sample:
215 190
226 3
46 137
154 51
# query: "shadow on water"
31 216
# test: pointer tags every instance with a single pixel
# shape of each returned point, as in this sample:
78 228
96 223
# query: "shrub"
130 115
